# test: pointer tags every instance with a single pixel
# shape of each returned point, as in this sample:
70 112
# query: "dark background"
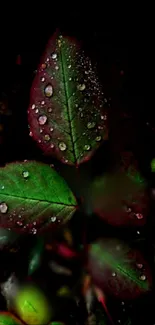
122 45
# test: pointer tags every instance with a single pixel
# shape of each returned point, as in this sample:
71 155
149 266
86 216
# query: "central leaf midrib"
67 103
33 199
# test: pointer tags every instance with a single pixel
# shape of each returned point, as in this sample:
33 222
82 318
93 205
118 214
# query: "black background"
122 45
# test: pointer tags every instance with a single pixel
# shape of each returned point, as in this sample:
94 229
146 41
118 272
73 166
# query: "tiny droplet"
48 90
62 146
3 207
42 119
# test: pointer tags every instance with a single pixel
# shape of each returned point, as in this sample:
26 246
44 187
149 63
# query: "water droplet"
69 66
54 56
3 207
70 79
91 125
33 106
138 232
81 87
42 79
113 274
139 265
2 187
53 219
56 67
98 138
52 145
51 129
37 110
143 277
49 109
19 223
87 147
42 103
25 174
33 231
62 146
81 114
139 216
30 134
42 119
46 137
104 117
48 90
47 59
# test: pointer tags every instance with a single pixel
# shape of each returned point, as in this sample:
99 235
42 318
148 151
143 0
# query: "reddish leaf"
118 270
120 198
67 114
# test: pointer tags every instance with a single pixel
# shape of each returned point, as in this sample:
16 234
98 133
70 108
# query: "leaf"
7 318
118 270
67 114
33 196
36 256
120 198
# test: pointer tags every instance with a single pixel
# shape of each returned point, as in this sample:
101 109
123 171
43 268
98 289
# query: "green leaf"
9 319
67 112
118 270
33 196
36 256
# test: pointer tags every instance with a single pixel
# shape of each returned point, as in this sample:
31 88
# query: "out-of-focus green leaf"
33 196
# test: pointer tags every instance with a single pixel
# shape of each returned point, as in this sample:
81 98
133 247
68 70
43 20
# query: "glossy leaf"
118 270
36 256
33 196
7 318
67 114
120 198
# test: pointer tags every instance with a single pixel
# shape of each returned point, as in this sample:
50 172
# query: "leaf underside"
33 196
67 113
118 270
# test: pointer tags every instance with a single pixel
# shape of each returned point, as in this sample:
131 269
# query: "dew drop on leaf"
48 90
87 147
143 277
51 129
114 274
81 87
25 174
53 219
42 119
46 137
33 106
56 67
54 56
139 265
91 125
3 207
62 146
42 79
139 216
50 110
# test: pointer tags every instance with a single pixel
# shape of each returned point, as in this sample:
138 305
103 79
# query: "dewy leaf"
67 114
33 196
7 318
118 270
